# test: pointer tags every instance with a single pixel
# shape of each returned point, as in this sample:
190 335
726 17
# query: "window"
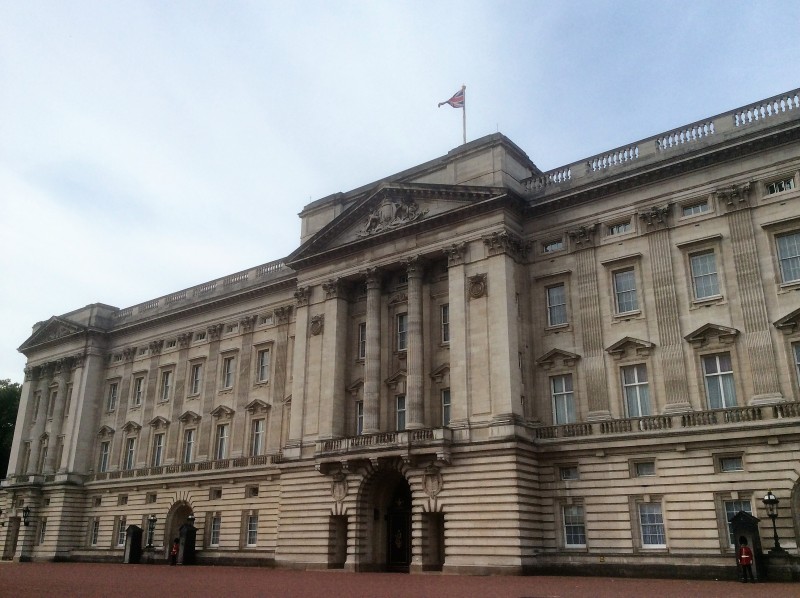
42 530
644 469
789 256
121 524
213 538
138 390
704 275
188 445
574 526
111 402
556 305
796 348
551 246
26 457
150 498
401 413
196 378
444 312
200 336
97 501
231 328
695 208
731 463
122 500
94 531
252 529
636 391
251 492
625 291
68 403
718 372
620 228
257 432
52 403
143 351
402 331
263 365
227 372
651 523
445 407
362 340
779 186
130 453
37 398
563 400
105 449
222 442
359 418
568 472
158 450
214 493
732 508
166 384
172 344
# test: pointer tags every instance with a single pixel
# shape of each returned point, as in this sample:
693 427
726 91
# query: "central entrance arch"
177 516
386 507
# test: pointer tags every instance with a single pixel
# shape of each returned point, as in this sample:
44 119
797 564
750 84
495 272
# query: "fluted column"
240 433
332 408
459 356
414 391
282 317
62 371
40 407
297 422
23 421
372 359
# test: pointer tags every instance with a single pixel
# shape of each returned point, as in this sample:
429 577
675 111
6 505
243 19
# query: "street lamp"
2 523
771 503
151 529
26 516
190 520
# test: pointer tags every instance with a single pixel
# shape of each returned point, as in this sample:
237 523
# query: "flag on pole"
457 101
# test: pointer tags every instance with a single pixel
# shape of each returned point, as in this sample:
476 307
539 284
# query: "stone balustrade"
403 443
658 423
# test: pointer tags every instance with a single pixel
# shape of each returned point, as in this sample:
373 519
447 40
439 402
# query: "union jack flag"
458 99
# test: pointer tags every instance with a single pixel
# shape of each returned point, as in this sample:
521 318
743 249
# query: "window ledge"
786 287
557 327
260 383
225 391
706 301
628 315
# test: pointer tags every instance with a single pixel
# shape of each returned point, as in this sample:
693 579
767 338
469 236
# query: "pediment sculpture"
391 213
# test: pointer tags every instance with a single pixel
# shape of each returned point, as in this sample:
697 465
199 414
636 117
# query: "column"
87 405
62 373
278 390
239 434
23 419
459 319
205 437
40 405
297 421
333 410
372 359
150 400
174 440
414 389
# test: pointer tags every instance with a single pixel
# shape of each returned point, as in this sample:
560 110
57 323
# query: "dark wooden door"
398 523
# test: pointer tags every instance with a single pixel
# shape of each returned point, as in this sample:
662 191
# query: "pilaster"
372 360
297 421
332 422
459 366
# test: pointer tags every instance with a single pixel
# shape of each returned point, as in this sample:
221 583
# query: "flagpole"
464 113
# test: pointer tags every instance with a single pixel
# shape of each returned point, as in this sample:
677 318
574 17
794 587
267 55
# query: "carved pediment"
158 422
189 417
396 379
630 346
356 387
131 427
54 329
441 372
222 412
257 406
789 323
710 332
105 432
392 212
557 358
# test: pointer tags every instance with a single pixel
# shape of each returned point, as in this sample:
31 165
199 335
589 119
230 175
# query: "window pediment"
789 323
189 417
356 387
105 432
557 357
222 412
131 426
257 406
708 332
439 373
396 379
158 422
629 344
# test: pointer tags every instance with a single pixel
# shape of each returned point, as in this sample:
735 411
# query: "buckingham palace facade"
469 366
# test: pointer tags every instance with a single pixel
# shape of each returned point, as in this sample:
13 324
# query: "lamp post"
26 516
771 503
2 523
151 529
190 520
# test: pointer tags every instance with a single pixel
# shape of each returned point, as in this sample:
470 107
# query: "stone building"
471 365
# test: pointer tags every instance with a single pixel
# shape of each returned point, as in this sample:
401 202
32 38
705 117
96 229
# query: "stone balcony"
408 445
689 421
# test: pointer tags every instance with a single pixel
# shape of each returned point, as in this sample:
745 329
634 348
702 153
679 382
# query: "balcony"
408 445
659 423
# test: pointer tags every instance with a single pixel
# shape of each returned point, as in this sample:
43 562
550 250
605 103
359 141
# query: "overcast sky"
146 147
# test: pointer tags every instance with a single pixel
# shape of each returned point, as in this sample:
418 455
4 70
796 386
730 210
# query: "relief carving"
506 242
339 486
432 481
734 197
477 286
246 324
656 216
282 314
156 346
391 213
333 288
317 323
302 295
214 332
583 235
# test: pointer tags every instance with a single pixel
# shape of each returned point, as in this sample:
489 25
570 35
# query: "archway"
177 516
386 510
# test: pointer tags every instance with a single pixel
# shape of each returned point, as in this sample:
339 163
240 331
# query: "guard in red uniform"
745 559
173 554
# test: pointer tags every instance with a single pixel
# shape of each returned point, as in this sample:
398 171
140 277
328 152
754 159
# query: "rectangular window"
620 228
563 399
779 186
636 391
111 403
214 493
68 403
26 457
362 340
150 498
196 378
644 469
732 508
222 442
37 399
105 449
704 275
796 348
574 526
444 312
402 332
130 453
651 524
227 372
556 305
625 291
216 522
42 530
252 530
171 344
359 418
400 420
263 365
138 391
445 407
199 336
729 464
52 403
552 246
257 437
718 372
95 531
695 208
188 446
789 256
166 384
121 524
569 472
158 450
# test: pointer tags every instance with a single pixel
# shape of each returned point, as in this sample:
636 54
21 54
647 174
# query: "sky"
146 147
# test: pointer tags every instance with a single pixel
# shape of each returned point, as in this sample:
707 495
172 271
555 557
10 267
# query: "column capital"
455 254
373 277
302 296
414 265
734 197
506 242
334 288
583 236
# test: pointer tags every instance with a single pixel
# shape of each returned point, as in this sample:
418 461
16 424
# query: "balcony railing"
404 441
182 468
657 423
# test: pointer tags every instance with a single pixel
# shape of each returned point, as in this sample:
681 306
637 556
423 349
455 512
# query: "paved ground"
160 581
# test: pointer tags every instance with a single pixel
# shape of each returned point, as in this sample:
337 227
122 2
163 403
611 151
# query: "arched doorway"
398 529
386 504
178 515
